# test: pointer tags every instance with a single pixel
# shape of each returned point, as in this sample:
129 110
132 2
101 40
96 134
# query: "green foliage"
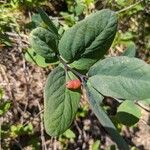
69 134
121 77
7 23
45 50
25 3
32 57
60 102
42 20
128 113
130 51
75 10
82 111
133 148
104 119
44 43
34 143
1 93
4 107
48 22
44 38
95 94
82 45
127 36
4 104
5 39
96 145
89 40
121 2
36 18
70 19
17 130
36 21
112 147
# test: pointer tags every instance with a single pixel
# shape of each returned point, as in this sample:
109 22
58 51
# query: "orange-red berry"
73 84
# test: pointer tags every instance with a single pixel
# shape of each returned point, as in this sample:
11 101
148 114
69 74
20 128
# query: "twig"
129 7
26 74
31 119
144 121
142 107
81 76
55 144
31 57
42 128
78 128
11 94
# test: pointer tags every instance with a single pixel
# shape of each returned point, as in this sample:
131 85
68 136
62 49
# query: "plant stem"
143 107
67 67
129 7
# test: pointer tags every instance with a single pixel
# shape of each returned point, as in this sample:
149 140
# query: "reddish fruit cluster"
73 84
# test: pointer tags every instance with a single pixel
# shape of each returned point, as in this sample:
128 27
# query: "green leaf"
121 2
90 38
104 119
48 22
19 129
95 94
96 145
31 56
44 43
28 128
128 113
4 38
121 77
79 8
37 20
69 19
4 107
130 51
1 93
69 134
60 103
112 147
83 64
127 36
82 111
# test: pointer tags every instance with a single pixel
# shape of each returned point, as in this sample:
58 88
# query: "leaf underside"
103 118
121 77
